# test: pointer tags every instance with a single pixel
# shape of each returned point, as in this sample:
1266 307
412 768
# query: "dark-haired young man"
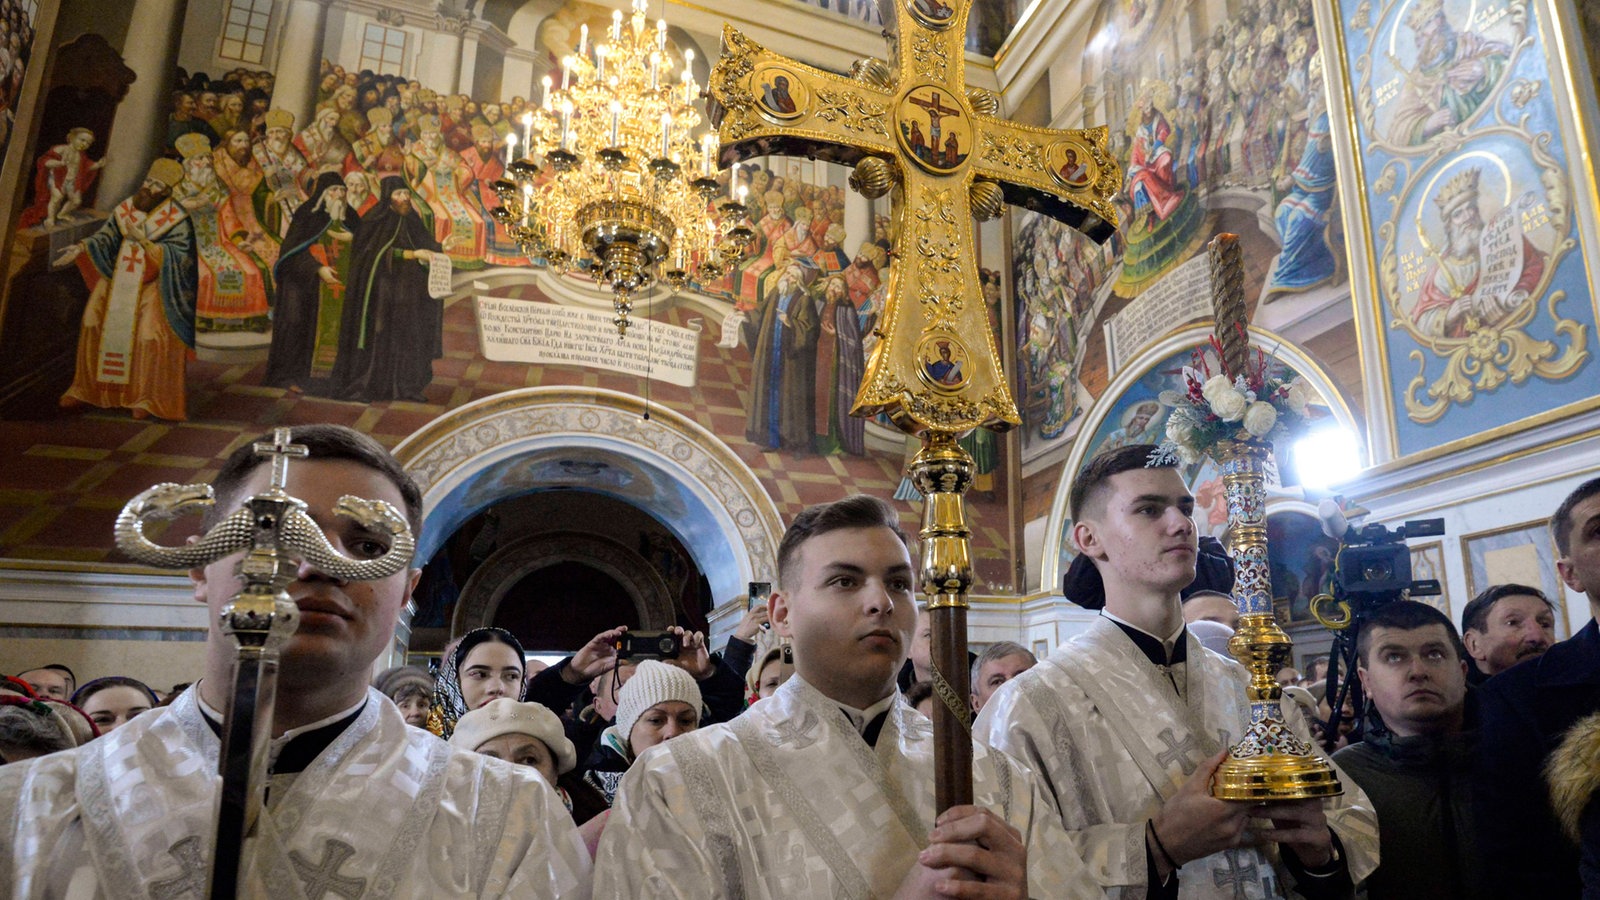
1505 625
1416 759
1127 722
825 789
1524 711
357 802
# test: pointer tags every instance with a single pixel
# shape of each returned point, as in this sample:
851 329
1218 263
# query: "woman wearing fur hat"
1574 775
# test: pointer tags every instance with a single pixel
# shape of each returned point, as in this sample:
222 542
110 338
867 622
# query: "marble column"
857 221
299 64
451 38
467 74
140 125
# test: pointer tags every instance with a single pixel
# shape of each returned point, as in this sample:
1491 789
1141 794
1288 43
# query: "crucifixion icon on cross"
912 126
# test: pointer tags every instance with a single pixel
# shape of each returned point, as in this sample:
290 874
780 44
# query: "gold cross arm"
912 127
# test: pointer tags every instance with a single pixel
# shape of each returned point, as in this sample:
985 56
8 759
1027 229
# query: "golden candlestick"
1269 762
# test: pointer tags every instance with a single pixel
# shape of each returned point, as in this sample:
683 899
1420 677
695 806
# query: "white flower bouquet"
1267 402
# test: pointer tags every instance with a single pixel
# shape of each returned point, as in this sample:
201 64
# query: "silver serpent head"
271 522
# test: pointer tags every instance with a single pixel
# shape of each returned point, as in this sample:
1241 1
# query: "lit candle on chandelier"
707 147
544 102
666 135
599 62
616 24
566 71
511 148
566 116
733 180
616 123
583 41
655 67
661 34
527 203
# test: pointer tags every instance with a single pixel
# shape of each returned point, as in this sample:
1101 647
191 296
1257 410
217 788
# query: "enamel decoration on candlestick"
274 532
939 149
1234 416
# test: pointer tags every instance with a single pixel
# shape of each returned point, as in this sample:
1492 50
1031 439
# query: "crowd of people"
798 760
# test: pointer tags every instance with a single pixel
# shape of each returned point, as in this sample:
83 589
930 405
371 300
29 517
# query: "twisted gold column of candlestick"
1269 762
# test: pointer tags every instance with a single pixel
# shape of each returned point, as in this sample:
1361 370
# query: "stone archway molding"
466 460
507 566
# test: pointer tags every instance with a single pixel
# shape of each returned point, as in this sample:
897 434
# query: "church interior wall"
1501 172
153 658
1229 89
1495 513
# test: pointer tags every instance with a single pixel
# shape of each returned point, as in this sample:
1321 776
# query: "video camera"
1374 564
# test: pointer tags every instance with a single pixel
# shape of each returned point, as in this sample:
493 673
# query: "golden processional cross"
912 126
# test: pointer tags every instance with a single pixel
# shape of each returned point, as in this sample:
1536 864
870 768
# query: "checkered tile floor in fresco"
66 476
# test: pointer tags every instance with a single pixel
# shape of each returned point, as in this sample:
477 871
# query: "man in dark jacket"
1416 759
1524 711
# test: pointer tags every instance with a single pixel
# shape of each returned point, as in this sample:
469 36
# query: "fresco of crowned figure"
770 229
481 167
323 147
239 172
378 152
1456 70
232 294
796 241
434 171
279 194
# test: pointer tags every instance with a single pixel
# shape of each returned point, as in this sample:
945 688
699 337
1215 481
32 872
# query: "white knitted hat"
507 716
653 682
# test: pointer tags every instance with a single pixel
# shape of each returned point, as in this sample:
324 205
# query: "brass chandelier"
611 178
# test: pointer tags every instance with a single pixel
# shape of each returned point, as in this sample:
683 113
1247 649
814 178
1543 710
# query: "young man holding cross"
358 804
826 788
1127 722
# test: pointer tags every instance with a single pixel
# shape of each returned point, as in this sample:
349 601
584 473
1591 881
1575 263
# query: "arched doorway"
557 567
543 442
